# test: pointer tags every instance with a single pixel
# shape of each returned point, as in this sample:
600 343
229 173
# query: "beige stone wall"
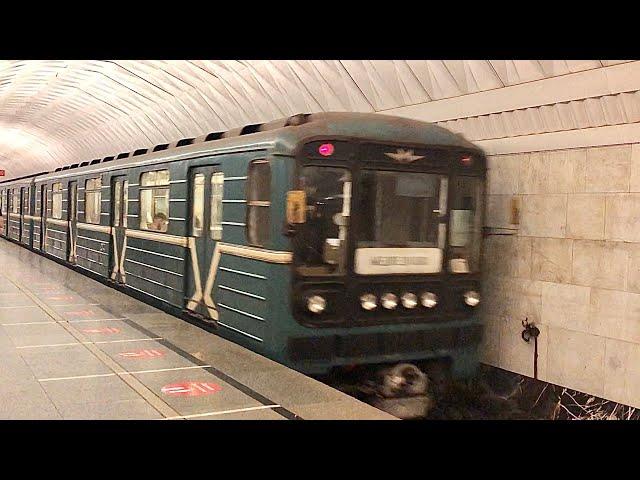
572 267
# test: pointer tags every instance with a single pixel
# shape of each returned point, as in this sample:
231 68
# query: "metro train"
320 240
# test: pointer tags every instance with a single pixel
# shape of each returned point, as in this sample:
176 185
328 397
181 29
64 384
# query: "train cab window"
56 201
322 243
197 217
258 203
92 200
465 225
217 189
154 201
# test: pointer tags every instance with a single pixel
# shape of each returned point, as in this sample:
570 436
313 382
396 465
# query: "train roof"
283 136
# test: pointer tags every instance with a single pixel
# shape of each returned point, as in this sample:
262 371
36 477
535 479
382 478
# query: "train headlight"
389 301
472 298
368 301
409 300
316 304
428 299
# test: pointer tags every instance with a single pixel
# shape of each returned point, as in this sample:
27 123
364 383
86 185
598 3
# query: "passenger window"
56 201
217 191
15 206
117 193
198 205
154 201
92 200
125 200
26 194
258 203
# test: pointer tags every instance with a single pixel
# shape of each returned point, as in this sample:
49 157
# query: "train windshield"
401 209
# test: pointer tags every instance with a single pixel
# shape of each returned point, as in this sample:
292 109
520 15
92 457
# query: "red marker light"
326 149
466 161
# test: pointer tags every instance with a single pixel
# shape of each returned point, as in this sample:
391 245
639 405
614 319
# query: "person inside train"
159 223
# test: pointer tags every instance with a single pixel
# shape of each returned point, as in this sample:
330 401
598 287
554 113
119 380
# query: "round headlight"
472 298
368 301
428 299
316 304
409 300
389 301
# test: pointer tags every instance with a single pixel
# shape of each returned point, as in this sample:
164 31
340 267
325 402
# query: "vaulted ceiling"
54 113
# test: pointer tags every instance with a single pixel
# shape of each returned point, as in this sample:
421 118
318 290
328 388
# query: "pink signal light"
326 149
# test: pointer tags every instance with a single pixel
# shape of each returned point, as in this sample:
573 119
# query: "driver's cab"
378 223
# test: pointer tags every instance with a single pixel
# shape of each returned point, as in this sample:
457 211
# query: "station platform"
73 348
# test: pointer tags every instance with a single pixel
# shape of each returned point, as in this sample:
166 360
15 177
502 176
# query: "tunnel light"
326 149
466 161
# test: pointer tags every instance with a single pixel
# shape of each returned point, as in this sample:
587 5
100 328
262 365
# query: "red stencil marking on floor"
80 313
145 353
66 297
102 330
190 389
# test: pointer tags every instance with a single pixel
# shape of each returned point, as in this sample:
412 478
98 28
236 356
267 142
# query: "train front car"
385 219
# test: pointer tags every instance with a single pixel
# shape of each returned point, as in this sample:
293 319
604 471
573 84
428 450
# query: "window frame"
91 191
153 188
257 204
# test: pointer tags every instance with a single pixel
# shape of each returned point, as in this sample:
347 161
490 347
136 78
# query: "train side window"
56 201
217 191
125 203
117 194
92 200
258 203
15 201
154 201
197 217
26 194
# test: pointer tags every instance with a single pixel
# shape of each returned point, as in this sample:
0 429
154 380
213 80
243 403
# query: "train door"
205 230
73 221
17 198
25 218
2 212
119 210
43 216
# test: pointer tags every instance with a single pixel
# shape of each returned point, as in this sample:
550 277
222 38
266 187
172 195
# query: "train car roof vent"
299 119
84 164
214 136
58 169
248 129
185 141
75 165
162 146
94 161
66 167
140 151
123 155
107 159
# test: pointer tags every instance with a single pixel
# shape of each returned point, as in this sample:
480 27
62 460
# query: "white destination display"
384 261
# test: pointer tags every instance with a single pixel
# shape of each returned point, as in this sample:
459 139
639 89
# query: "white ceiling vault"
55 113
